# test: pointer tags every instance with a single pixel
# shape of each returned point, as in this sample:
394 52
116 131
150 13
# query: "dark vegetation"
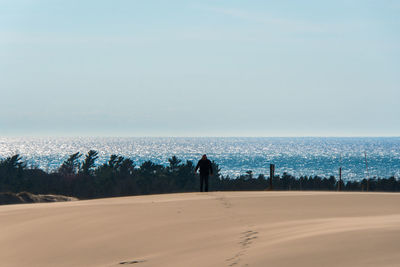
79 176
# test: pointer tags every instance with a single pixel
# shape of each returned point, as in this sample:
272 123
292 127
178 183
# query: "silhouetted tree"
71 165
89 163
174 163
12 163
120 177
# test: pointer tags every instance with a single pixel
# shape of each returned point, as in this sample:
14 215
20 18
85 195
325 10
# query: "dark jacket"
205 167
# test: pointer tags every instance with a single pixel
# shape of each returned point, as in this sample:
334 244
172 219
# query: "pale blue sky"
200 68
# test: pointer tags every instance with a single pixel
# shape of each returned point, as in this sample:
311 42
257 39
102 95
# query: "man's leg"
206 183
201 182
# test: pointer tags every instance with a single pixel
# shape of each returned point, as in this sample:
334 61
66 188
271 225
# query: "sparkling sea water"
235 155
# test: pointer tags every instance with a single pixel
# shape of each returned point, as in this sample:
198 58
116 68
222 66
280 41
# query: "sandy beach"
206 229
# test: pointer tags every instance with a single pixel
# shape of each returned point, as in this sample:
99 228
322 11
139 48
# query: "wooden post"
271 175
366 167
340 179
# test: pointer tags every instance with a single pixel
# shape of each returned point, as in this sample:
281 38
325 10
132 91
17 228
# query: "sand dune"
206 229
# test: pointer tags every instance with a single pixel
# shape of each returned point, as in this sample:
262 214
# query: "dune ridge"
206 229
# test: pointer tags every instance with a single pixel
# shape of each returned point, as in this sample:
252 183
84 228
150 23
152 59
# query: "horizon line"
199 136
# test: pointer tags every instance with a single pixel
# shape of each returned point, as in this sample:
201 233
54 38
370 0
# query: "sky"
199 68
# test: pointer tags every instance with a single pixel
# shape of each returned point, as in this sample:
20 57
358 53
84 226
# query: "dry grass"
26 197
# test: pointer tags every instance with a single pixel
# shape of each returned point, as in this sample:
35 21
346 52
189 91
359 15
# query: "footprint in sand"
225 202
131 262
246 239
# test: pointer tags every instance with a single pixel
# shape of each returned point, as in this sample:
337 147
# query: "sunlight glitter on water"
297 156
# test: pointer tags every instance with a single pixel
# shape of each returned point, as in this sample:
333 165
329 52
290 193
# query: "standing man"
205 170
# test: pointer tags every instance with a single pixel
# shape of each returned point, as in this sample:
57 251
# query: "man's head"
204 157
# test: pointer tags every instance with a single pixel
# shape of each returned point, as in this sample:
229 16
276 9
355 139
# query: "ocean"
235 155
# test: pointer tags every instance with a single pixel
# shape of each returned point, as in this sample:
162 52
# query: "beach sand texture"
206 229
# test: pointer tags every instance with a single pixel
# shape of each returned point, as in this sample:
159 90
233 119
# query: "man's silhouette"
205 170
